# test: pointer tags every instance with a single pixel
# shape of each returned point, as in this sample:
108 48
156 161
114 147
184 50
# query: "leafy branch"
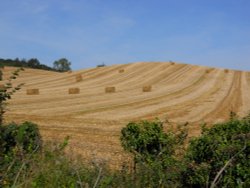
7 90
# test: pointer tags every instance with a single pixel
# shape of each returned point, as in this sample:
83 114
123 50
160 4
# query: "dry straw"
32 91
2 86
74 90
209 70
78 78
226 70
147 88
172 63
121 70
110 90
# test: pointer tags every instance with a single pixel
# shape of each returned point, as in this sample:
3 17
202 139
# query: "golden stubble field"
95 114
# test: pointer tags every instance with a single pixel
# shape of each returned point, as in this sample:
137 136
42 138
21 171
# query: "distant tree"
33 63
101 65
62 65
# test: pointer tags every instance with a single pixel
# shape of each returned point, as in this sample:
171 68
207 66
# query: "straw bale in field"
172 63
121 70
226 71
69 71
74 90
78 77
147 88
2 86
109 89
32 91
209 70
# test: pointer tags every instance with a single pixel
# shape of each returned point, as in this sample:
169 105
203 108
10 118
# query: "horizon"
89 33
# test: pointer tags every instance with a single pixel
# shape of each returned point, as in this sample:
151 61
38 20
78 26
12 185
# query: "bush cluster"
217 158
220 156
17 144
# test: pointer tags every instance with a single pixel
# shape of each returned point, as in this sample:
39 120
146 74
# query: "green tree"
33 63
62 65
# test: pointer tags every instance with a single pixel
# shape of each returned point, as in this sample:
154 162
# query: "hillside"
93 119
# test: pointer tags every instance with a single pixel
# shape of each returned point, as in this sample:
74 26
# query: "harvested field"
93 119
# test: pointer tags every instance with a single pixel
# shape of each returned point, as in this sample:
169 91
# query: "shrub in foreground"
155 160
220 156
17 144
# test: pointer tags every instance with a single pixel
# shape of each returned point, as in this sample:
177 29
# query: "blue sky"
89 32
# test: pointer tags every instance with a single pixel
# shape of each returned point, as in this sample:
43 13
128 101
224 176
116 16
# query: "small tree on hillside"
62 65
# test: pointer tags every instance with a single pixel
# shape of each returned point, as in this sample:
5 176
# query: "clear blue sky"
89 32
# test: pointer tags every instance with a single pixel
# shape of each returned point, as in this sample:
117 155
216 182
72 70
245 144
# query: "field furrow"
93 118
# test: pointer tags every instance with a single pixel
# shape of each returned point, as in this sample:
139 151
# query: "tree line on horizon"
61 65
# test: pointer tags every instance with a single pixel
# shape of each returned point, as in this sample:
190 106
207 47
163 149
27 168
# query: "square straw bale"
32 91
74 90
121 70
147 88
110 90
78 78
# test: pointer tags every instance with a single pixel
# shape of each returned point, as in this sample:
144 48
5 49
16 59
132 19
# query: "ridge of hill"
94 118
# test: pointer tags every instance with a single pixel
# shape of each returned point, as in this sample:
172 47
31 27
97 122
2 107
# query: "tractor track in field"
93 119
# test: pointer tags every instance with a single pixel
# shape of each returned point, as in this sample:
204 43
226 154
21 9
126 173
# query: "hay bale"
78 78
226 70
69 71
74 90
121 70
32 91
2 86
172 63
147 88
209 70
110 90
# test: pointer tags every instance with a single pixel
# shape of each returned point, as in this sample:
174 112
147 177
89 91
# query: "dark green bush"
155 162
17 142
224 145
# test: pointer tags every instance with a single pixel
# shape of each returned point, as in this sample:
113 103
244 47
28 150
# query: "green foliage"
154 152
7 91
222 151
62 65
17 142
148 142
1 73
31 63
226 148
51 168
